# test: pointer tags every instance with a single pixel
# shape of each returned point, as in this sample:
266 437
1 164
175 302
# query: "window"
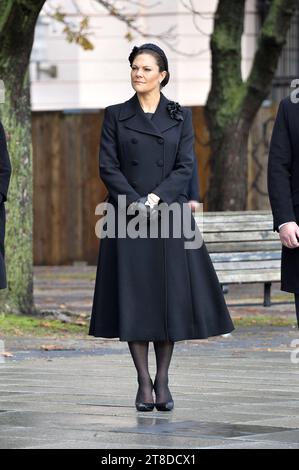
288 65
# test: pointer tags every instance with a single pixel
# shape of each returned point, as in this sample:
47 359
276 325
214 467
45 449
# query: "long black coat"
283 184
5 172
152 289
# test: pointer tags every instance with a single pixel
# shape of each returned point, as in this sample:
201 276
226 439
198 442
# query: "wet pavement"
237 391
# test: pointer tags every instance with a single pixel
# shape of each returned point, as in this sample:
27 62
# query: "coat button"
134 140
134 184
160 140
134 162
160 162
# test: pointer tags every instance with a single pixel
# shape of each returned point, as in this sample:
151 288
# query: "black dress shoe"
140 406
144 406
164 406
167 406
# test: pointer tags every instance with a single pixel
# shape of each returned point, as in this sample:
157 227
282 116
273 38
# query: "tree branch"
271 40
74 34
18 19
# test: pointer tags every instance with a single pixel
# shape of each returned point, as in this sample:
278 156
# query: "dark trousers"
297 307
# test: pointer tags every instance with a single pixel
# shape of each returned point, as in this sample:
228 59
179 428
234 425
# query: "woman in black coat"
152 289
5 172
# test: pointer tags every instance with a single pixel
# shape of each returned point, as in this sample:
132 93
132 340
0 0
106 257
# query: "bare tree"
233 103
17 24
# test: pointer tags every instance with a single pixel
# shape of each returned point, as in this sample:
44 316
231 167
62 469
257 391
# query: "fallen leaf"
51 347
6 354
46 324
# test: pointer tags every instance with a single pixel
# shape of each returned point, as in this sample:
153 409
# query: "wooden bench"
243 247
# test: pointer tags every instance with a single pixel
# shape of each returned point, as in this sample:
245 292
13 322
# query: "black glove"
146 212
152 212
139 205
155 213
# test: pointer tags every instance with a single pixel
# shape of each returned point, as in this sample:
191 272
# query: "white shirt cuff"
152 200
279 226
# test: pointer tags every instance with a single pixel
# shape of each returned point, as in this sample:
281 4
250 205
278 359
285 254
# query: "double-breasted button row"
158 162
134 140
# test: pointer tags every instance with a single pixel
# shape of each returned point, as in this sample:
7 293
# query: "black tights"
163 352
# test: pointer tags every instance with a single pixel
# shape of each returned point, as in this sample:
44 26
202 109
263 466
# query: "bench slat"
237 227
242 213
249 256
243 265
243 246
240 236
266 275
207 218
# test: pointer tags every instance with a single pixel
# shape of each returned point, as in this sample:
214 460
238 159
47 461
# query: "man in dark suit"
283 186
5 172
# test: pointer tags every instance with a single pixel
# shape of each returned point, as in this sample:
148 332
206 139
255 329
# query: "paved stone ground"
239 391
235 392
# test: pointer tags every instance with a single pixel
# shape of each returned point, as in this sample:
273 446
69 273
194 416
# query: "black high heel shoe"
165 406
141 406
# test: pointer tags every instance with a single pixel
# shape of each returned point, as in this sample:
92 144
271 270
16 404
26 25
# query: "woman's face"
145 75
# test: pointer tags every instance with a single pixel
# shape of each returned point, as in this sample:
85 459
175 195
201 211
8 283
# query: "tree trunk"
228 185
233 103
17 24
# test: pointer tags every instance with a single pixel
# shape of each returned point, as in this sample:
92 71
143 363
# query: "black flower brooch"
175 110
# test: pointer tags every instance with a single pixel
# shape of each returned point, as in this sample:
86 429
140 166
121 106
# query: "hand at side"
289 235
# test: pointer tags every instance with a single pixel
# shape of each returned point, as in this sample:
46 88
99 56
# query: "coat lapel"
135 118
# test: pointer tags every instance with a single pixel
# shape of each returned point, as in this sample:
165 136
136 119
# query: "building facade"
66 77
